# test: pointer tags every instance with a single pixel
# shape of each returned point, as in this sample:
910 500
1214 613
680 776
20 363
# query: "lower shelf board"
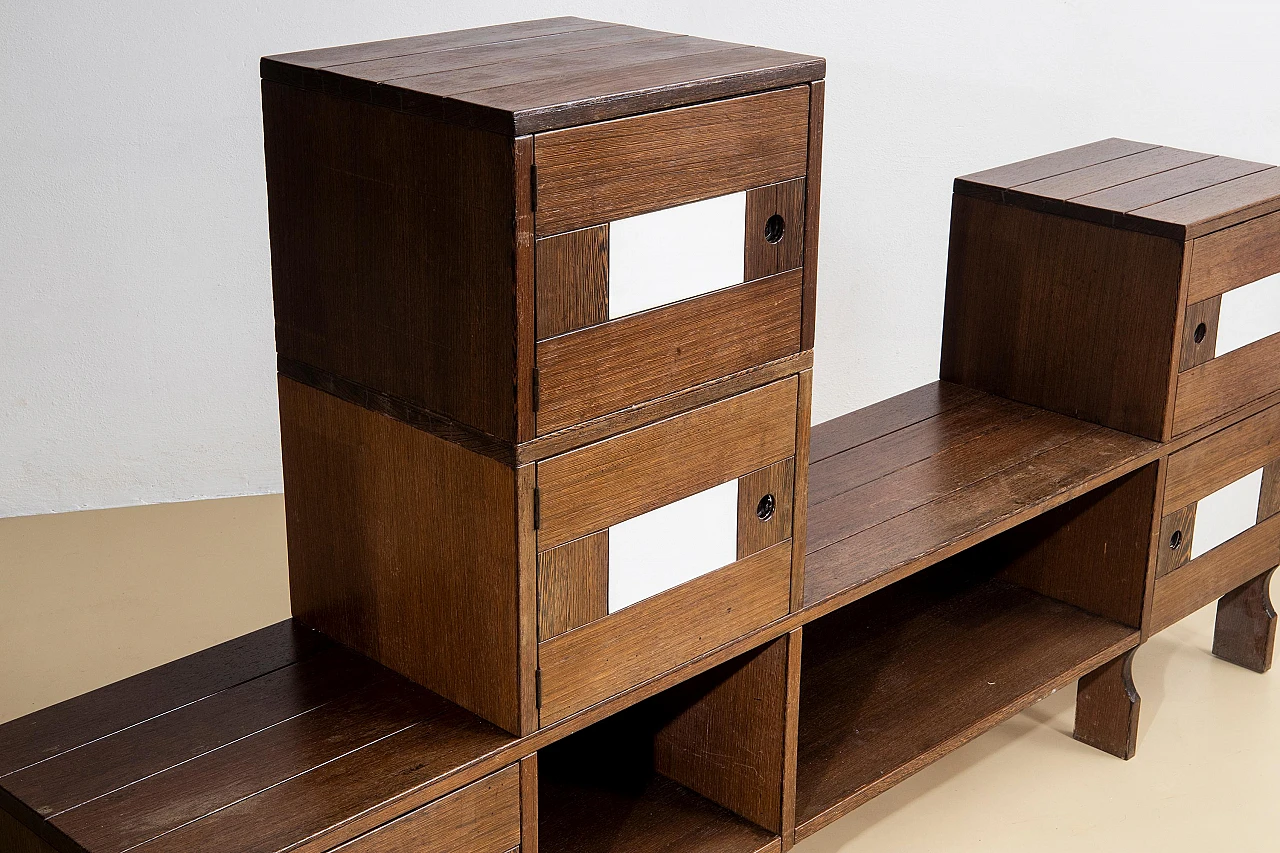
641 815
896 680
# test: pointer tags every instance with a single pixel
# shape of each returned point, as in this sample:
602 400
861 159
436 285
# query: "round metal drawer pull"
1175 541
1201 331
774 228
764 509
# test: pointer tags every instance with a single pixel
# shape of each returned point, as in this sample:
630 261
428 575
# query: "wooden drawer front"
590 489
483 817
1222 458
596 173
1234 257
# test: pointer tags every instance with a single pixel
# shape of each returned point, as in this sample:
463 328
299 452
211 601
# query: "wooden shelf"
891 683
903 484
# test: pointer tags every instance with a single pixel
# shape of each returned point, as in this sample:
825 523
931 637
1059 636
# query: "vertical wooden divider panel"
800 504
573 281
791 738
526 480
529 804
813 189
573 584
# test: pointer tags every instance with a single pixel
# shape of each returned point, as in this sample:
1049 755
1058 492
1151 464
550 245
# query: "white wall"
136 354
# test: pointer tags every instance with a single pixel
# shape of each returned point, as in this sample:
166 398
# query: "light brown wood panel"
1233 257
573 281
483 817
1226 383
600 172
756 533
726 743
529 804
1269 500
1176 531
1222 458
813 189
627 361
646 639
1213 575
573 584
403 546
602 484
1199 333
767 252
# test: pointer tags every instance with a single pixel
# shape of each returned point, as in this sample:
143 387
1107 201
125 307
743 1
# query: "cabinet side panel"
403 546
393 252
1062 314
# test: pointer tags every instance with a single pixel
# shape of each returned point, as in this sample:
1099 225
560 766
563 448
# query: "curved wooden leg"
1107 707
1246 629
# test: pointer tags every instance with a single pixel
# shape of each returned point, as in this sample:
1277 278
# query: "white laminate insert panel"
673 544
1249 314
676 253
1226 513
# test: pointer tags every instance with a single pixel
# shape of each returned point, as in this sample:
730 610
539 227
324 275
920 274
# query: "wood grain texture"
526 301
636 358
1049 165
765 257
723 735
756 533
391 269
527 606
1222 458
16 838
573 584
1213 575
597 486
791 737
1111 206
1245 630
1199 346
1080 324
403 546
1235 257
1219 206
483 817
1269 499
1226 383
1177 530
899 679
1110 173
596 173
813 191
1107 707
573 281
879 419
800 501
68 725
529 804
599 660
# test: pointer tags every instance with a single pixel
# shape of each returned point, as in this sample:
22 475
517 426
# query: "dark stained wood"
527 606
71 724
1079 325
1110 173
800 499
1245 632
765 257
1226 383
1269 499
529 804
1107 706
1199 346
483 817
391 269
879 419
627 361
1213 575
756 533
573 584
441 572
813 190
723 736
16 838
791 737
1219 206
526 302
602 484
1176 532
1049 165
897 680
596 173
637 643
1109 206
573 281
1222 458
1234 257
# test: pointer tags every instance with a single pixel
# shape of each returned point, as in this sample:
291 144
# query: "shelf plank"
931 486
894 682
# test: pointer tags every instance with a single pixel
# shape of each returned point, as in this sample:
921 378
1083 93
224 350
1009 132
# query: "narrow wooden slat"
596 661
1100 176
1222 458
1199 351
1213 575
573 281
627 361
600 172
812 192
786 201
800 499
529 804
791 738
1048 165
1176 532
856 428
573 584
1269 499
602 484
103 712
761 256
1226 383
1234 257
756 533
1127 197
1218 206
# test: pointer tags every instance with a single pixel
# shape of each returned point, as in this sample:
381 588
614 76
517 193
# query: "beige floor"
87 598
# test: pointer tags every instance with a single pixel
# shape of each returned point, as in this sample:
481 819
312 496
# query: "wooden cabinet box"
1100 282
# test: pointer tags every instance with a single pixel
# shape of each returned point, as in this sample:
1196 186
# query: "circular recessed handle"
1201 331
1175 541
764 509
775 228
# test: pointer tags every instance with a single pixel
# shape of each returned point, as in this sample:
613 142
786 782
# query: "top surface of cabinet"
540 75
1136 186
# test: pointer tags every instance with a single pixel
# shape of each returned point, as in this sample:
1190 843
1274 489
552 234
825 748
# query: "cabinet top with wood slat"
540 75
1136 186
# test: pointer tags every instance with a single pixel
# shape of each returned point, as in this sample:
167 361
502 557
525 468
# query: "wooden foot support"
1107 707
1246 630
